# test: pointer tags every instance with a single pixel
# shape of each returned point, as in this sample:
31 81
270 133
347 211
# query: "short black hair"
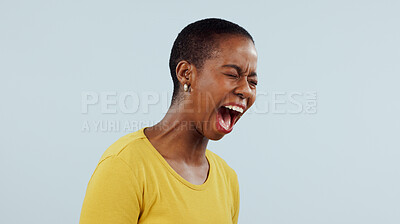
197 41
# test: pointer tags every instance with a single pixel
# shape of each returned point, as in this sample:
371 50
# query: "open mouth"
227 116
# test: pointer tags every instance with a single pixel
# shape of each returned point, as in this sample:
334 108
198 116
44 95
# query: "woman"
164 173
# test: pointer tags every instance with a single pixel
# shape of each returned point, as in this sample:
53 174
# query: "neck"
176 138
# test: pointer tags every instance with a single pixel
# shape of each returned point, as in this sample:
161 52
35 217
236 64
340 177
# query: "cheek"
211 83
211 86
252 98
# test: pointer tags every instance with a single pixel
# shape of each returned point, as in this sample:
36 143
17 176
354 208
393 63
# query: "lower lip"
219 126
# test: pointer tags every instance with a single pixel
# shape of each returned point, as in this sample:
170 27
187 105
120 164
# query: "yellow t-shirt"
133 183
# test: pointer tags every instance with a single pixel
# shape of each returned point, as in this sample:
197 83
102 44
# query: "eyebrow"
239 70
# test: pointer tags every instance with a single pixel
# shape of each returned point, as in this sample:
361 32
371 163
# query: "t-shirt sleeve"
112 195
236 198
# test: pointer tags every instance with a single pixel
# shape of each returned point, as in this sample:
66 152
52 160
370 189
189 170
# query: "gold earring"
185 87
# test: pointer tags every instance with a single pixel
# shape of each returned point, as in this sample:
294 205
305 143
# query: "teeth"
235 108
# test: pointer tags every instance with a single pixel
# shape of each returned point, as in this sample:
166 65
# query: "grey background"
338 165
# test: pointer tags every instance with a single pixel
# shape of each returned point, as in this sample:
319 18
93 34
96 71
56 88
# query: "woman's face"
225 88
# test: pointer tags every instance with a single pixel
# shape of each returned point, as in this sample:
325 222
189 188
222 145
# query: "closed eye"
253 82
231 75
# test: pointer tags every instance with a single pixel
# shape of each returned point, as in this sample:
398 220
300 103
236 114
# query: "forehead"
236 50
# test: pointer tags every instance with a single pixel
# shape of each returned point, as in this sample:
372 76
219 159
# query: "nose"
243 89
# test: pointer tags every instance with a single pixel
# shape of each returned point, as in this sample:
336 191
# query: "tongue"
226 119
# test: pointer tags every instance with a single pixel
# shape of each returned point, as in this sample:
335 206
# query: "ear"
183 72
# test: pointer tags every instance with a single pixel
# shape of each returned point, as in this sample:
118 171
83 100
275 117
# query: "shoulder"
130 148
220 162
222 167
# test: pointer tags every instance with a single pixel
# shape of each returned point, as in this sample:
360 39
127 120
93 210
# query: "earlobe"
187 87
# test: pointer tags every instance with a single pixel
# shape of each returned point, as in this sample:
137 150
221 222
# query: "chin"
214 134
216 137
217 131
